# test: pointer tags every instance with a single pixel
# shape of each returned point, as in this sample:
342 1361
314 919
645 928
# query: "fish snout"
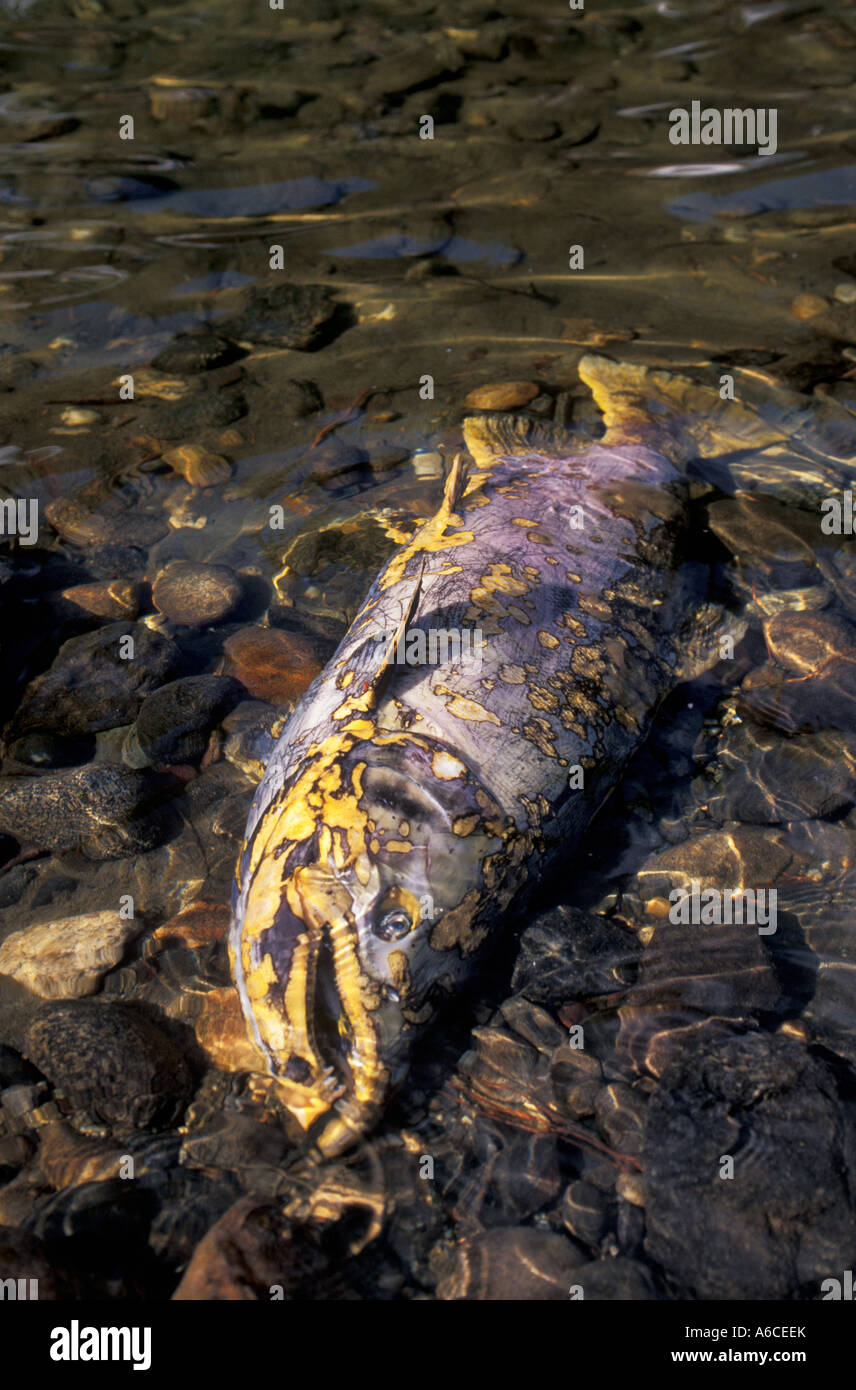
327 1058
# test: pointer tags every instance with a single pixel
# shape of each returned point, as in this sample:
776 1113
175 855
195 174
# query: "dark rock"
14 884
585 1212
620 1112
285 316
762 531
116 561
185 1215
630 1228
251 1250
333 457
251 735
230 818
750 856
110 1061
615 1281
52 887
690 974
783 1221
569 954
195 352
771 696
194 593
91 686
174 722
577 1080
295 398
200 410
238 1143
413 67
15 1151
79 524
512 1263
113 1213
805 643
104 810
25 1257
762 778
15 1070
40 750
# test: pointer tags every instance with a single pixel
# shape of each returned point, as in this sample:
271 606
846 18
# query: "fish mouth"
329 1070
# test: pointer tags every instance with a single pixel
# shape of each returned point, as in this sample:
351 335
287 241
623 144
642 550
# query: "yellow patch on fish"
355 704
547 639
463 708
456 928
512 675
444 766
464 825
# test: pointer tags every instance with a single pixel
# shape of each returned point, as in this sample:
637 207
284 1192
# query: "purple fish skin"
406 809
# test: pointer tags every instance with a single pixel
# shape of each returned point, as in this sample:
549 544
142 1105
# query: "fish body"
405 807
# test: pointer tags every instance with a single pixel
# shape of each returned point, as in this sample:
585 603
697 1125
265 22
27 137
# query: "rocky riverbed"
307 294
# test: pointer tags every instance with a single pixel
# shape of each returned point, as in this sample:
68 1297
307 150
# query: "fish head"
368 886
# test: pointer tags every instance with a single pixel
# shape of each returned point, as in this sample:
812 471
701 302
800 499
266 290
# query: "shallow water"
444 258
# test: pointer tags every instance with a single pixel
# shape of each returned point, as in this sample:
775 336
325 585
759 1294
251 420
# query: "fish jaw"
338 1069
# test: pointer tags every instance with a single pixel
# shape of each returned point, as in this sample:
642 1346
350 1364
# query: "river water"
255 260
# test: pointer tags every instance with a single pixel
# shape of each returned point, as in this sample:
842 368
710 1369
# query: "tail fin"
676 416
673 414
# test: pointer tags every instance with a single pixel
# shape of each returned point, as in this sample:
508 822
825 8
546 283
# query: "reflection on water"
321 235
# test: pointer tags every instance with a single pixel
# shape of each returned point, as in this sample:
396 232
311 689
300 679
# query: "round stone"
194 593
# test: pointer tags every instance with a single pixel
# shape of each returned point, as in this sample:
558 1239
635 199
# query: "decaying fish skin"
404 810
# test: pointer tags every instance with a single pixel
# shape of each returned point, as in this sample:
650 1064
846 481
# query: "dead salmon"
413 799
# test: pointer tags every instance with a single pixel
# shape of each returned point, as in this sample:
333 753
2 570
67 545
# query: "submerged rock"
615 1280
273 665
26 1258
569 954
110 1061
104 810
174 722
782 1221
111 598
66 959
806 642
285 316
507 395
763 778
195 352
252 1252
96 681
198 466
512 1263
41 751
194 594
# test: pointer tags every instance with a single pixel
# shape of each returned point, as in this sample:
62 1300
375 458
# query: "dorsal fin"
456 482
679 417
410 609
373 664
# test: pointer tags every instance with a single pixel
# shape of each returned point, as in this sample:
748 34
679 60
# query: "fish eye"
393 924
